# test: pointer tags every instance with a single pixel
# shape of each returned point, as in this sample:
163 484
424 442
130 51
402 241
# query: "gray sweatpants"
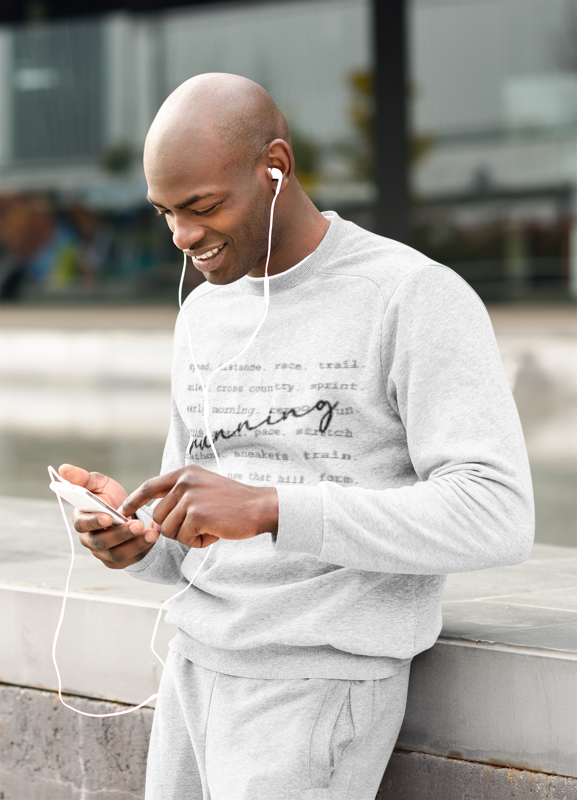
221 737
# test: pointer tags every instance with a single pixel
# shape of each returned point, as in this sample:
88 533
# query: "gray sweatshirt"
375 401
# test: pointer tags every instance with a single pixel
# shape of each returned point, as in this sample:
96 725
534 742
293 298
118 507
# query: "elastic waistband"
284 662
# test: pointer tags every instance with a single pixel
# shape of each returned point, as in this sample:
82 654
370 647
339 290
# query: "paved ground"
109 410
99 318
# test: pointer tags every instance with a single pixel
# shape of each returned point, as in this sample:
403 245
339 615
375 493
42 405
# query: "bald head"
208 159
223 112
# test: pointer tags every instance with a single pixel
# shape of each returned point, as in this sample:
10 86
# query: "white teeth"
209 254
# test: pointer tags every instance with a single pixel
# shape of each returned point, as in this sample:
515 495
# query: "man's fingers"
95 482
125 554
96 521
149 490
74 474
151 535
163 508
192 531
184 525
204 540
90 521
171 522
99 540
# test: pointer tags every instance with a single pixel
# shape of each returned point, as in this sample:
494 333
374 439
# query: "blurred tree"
362 115
306 152
117 158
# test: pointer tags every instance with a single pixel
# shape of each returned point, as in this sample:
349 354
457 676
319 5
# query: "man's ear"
280 156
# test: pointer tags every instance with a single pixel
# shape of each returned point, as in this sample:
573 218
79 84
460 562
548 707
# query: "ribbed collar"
307 267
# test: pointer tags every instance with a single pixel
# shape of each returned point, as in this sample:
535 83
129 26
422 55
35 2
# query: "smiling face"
217 210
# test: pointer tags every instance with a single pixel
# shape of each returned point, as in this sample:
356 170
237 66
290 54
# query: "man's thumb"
74 474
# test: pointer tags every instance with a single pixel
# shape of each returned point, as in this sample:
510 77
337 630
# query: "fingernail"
135 527
103 521
150 536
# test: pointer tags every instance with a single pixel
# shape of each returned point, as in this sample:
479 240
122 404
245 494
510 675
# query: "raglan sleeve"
472 504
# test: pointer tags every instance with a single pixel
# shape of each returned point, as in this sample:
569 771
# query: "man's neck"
303 229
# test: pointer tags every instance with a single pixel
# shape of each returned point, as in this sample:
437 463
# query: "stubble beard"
253 245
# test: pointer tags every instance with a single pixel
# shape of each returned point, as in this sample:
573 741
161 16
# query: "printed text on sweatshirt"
375 401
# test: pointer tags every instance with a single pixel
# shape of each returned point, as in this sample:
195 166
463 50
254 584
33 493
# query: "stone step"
497 690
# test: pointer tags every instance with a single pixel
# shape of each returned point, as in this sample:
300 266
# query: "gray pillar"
391 118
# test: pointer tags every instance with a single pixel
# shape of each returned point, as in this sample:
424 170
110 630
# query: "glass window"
494 133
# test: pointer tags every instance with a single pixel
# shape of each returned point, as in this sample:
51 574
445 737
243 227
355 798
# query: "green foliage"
117 158
306 152
362 115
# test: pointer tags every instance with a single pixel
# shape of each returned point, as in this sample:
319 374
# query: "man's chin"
220 278
226 274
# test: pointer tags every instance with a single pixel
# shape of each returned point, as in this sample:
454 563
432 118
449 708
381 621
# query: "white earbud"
275 174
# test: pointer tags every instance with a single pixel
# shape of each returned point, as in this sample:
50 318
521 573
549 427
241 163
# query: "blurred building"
492 97
495 120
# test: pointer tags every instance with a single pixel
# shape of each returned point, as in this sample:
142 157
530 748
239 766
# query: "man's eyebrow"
189 202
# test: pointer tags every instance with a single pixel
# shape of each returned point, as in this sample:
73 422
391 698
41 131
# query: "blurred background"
448 124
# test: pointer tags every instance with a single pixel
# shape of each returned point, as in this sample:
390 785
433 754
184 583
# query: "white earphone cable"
206 414
61 618
206 386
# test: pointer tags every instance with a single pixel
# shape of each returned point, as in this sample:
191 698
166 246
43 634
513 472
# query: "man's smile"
210 259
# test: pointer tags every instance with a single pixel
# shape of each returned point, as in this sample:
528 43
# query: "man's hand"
117 546
200 507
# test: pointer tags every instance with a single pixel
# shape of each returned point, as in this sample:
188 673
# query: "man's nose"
186 237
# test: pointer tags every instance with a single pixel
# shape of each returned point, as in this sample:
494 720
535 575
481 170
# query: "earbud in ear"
275 174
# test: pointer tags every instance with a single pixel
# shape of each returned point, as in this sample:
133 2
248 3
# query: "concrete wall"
419 776
491 711
49 753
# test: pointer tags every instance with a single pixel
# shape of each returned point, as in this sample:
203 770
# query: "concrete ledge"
497 688
419 776
49 753
494 703
103 650
104 647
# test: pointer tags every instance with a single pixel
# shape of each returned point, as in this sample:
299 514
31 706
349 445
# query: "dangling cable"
206 413
266 288
56 635
63 610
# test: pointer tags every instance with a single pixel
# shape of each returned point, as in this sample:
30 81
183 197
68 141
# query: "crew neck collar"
304 269
274 277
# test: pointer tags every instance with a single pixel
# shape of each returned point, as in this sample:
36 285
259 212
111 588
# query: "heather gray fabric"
219 737
375 400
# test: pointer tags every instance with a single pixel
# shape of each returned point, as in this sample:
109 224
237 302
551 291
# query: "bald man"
369 445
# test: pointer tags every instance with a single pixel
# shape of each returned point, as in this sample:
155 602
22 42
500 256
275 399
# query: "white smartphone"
81 498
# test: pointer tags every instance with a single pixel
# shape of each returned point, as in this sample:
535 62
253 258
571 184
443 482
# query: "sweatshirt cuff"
300 519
